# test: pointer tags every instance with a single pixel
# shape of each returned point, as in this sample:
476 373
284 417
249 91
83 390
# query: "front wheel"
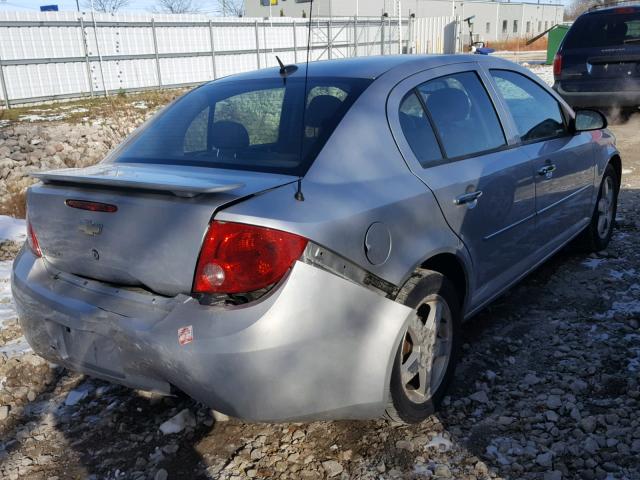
598 234
429 348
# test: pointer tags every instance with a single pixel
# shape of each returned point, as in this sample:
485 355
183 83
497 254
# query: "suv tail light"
238 258
32 240
557 65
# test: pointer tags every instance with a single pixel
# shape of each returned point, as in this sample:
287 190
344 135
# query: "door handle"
547 170
468 198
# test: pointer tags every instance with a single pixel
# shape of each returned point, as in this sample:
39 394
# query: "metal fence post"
355 36
83 39
213 50
295 43
3 84
382 40
257 44
329 39
95 33
155 50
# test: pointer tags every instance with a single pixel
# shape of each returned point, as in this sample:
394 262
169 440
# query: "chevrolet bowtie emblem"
89 228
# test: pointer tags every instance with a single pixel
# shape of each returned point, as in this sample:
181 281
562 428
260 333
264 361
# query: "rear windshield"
604 30
256 125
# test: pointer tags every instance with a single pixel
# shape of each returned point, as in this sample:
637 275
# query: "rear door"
601 52
449 131
563 162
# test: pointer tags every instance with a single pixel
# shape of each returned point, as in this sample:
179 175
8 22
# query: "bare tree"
178 6
106 6
578 7
229 8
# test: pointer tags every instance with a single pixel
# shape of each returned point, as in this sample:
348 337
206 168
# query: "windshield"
247 125
604 30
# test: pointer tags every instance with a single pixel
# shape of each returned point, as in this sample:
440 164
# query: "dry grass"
77 111
15 203
519 44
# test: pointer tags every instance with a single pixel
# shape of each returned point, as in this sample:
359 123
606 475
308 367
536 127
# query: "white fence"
45 56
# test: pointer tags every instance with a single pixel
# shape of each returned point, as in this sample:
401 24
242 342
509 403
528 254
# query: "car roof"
370 67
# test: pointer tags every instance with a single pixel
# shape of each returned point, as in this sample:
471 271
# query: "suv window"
418 131
463 114
536 113
604 30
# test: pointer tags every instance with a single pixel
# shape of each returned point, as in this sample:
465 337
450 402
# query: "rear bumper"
317 347
623 99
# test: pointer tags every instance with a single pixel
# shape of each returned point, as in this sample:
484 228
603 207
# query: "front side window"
260 125
418 132
536 113
463 114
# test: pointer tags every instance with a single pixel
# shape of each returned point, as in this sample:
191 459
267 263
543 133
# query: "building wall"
497 21
337 8
488 22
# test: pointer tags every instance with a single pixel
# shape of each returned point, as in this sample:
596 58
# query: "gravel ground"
548 389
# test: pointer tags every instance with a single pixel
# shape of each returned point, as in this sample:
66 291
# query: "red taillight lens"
557 65
238 258
91 206
32 240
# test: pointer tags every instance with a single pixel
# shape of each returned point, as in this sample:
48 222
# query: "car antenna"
299 195
286 70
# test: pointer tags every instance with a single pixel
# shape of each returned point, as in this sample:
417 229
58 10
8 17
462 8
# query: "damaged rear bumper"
316 347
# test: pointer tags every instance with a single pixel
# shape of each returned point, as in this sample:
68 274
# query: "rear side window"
536 113
264 125
599 30
418 132
463 114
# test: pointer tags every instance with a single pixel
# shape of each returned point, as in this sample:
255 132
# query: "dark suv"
598 64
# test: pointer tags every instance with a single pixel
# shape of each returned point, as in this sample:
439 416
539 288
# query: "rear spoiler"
139 178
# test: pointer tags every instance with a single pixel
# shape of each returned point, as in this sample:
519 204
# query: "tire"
597 235
428 293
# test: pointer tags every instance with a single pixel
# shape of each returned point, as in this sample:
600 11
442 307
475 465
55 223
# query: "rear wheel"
428 351
598 234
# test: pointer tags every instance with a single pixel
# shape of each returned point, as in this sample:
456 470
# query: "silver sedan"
292 244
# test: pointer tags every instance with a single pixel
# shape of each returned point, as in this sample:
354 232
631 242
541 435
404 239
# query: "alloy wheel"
426 349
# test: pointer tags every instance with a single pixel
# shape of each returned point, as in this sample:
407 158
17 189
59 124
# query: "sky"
135 5
139 5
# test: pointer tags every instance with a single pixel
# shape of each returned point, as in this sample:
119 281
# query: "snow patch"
7 307
42 118
593 263
441 443
178 423
13 229
77 395
16 348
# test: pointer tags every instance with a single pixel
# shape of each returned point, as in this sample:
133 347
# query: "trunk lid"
153 239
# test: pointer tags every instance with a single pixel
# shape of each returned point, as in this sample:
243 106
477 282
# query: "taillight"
91 206
557 65
32 240
238 258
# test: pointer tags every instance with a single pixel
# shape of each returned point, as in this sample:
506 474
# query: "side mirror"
588 120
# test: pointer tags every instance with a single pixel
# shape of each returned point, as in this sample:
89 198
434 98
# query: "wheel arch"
616 162
452 267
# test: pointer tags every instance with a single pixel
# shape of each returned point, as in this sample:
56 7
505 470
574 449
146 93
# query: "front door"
563 163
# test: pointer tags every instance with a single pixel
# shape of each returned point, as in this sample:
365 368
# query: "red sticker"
185 335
